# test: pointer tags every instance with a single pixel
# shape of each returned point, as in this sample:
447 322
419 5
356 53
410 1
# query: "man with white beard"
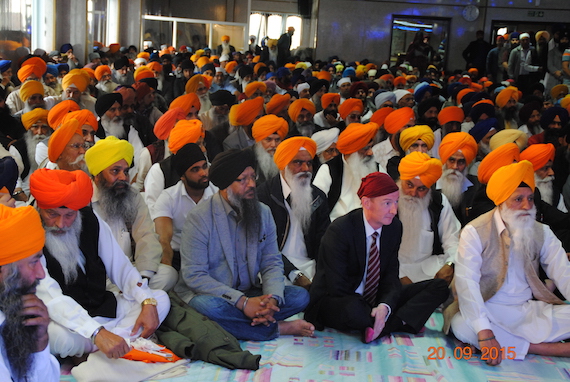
225 47
66 148
121 73
199 84
301 113
268 132
502 304
340 177
105 82
326 146
299 209
221 100
430 229
32 94
457 151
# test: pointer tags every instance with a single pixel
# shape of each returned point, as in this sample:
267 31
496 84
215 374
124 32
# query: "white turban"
325 138
372 72
400 93
383 97
140 61
343 80
302 86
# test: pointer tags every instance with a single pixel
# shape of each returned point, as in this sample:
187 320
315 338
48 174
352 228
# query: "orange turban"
230 66
32 117
29 88
194 83
77 78
114 48
459 141
397 119
145 55
507 136
258 66
84 117
505 95
412 134
33 65
90 72
387 77
255 59
61 137
101 70
56 113
243 114
507 179
186 102
350 105
154 66
356 136
287 150
400 80
297 106
290 66
277 103
254 86
462 94
501 156
143 72
420 165
324 75
539 154
166 122
267 125
60 188
327 98
380 115
184 132
21 233
450 114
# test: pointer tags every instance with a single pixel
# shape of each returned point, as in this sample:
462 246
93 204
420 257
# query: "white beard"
484 149
80 164
265 161
107 86
31 144
225 48
451 185
301 196
113 127
521 227
360 166
411 213
545 188
65 248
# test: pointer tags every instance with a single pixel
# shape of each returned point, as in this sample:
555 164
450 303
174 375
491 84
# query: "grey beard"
545 188
249 212
28 107
115 205
65 248
113 127
31 144
301 196
411 214
306 128
521 229
451 185
265 162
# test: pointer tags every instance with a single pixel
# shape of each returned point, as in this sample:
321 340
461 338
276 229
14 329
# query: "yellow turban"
60 188
507 179
202 61
277 103
107 152
21 233
505 95
29 88
557 90
297 106
77 78
254 86
509 136
539 154
61 137
356 136
412 134
56 113
194 83
350 105
184 132
287 150
397 119
565 102
143 72
267 125
243 114
32 117
459 141
450 114
84 117
33 65
502 156
420 165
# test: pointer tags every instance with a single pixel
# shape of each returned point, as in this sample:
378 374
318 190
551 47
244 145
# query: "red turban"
166 122
356 136
539 154
33 65
29 88
184 132
60 188
380 115
56 113
501 156
277 103
101 70
297 106
505 95
84 117
349 106
61 137
398 119
507 179
252 87
32 117
420 165
243 114
21 233
186 102
376 184
459 141
78 78
327 98
267 125
287 150
450 114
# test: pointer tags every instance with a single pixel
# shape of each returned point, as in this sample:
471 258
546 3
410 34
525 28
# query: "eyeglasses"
332 151
77 146
246 179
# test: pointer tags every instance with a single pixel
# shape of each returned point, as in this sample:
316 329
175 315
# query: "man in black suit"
351 291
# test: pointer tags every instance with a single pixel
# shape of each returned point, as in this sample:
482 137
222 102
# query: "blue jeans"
234 321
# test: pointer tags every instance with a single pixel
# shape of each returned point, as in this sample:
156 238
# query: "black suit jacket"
342 262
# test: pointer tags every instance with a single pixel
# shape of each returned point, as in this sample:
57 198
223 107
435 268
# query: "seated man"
300 210
23 316
80 253
502 302
66 148
124 210
268 132
357 286
227 243
431 230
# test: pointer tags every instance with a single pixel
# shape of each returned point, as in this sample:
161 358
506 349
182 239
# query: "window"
15 26
264 25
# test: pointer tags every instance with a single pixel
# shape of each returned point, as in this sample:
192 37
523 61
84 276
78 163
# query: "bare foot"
296 328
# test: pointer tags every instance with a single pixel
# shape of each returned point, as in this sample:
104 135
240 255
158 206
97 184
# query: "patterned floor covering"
334 356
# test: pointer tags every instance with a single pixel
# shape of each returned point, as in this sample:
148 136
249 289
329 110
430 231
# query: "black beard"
195 185
249 212
552 135
129 120
510 113
329 112
431 122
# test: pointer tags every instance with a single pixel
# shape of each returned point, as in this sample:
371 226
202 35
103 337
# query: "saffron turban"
463 93
77 78
252 87
186 102
61 137
33 65
21 233
29 88
356 136
539 154
267 125
230 66
350 105
376 184
84 117
380 115
101 70
505 95
382 97
412 134
228 166
107 152
509 136
502 156
277 103
166 122
106 101
450 114
482 128
400 80
245 113
327 98
194 83
459 141
398 119
564 102
297 106
154 66
325 138
56 113
32 117
287 150
507 179
142 72
185 131
420 165
60 188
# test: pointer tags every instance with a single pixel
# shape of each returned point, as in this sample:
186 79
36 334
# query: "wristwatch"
149 301
450 263
299 275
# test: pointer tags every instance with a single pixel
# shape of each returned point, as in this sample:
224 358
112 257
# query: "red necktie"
372 272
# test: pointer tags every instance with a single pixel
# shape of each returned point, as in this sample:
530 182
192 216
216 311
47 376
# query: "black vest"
434 208
22 148
336 168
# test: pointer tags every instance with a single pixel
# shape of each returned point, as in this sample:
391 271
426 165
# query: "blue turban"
549 114
8 173
349 72
5 65
282 72
65 48
420 93
52 69
61 67
482 108
481 128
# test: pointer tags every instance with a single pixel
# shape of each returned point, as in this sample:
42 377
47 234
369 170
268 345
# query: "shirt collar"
368 228
499 223
285 187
